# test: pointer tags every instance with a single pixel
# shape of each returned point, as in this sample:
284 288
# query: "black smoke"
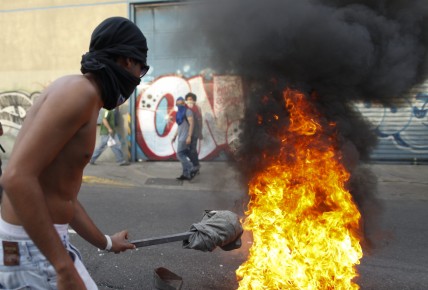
344 51
350 50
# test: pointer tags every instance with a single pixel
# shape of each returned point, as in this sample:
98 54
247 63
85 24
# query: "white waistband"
18 232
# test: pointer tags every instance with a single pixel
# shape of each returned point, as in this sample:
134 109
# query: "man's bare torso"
60 179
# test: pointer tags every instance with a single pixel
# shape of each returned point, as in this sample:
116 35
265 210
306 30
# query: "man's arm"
191 127
40 141
85 227
107 125
175 136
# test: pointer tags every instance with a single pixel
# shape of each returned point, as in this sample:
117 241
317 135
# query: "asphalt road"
399 261
152 212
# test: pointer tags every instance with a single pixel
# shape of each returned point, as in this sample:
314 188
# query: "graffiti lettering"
221 107
13 109
405 125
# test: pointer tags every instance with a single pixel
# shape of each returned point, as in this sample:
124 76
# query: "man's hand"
120 242
188 139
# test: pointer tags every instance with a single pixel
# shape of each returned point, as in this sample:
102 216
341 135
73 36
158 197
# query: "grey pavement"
146 199
395 181
157 204
402 181
218 175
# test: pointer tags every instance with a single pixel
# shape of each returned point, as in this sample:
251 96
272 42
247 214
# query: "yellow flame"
304 223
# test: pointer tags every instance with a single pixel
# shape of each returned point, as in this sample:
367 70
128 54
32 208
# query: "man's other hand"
120 242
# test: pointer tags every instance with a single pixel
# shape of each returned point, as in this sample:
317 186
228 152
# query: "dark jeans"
193 154
186 164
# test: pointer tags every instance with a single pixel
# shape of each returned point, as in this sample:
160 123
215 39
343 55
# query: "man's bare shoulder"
74 85
70 93
74 95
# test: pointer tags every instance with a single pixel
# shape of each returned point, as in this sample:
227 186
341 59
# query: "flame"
305 225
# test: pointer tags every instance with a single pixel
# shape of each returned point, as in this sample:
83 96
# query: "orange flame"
305 225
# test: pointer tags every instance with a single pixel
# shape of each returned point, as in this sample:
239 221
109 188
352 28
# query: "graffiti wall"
402 130
13 109
221 104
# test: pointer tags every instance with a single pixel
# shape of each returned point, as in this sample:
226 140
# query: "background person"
107 130
185 122
45 169
197 132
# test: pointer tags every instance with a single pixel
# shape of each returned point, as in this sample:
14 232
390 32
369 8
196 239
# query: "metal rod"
161 240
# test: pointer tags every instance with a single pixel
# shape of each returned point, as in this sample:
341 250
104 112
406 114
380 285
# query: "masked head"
180 102
181 110
190 99
117 57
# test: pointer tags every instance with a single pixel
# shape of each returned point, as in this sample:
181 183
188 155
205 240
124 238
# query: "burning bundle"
218 228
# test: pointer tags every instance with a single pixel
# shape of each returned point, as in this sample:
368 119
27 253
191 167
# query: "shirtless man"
45 169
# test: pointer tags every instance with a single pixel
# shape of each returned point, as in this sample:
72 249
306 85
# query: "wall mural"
13 109
221 104
404 128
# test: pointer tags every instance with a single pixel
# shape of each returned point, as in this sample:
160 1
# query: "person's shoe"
194 173
92 162
182 177
124 163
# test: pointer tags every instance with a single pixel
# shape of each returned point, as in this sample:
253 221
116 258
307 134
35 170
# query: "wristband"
109 243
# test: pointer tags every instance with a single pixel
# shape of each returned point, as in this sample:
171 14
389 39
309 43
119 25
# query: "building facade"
43 40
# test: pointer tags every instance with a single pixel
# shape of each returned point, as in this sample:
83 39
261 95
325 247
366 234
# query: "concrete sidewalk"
394 181
402 181
217 175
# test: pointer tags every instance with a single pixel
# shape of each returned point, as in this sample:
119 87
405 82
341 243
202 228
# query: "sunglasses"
144 69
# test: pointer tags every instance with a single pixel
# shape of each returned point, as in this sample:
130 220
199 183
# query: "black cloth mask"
114 37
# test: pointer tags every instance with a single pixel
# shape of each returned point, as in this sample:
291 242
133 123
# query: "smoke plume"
350 50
